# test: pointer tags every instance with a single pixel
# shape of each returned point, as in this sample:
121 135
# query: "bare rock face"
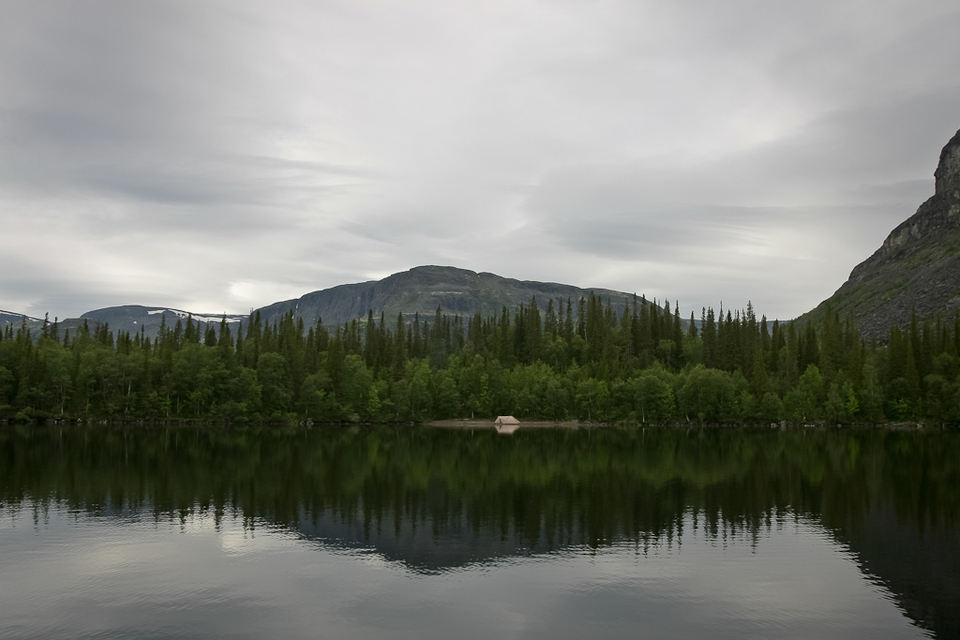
948 170
916 268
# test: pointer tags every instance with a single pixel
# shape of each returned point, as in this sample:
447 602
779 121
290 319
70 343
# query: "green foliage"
577 360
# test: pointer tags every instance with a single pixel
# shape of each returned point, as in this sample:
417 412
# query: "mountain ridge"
916 269
422 289
419 290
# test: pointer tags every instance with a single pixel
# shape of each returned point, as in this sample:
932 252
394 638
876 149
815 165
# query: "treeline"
574 360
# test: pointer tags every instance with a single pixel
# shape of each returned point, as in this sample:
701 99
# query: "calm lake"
419 532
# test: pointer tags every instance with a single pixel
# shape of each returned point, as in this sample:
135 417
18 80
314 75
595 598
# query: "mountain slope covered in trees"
579 360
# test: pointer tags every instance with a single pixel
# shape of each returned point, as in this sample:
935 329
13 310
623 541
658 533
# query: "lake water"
418 532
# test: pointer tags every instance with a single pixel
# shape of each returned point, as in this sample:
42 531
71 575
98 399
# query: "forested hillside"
578 359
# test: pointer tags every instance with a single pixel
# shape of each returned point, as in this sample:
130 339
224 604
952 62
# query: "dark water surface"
110 532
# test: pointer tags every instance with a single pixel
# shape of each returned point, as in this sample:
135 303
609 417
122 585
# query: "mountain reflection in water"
439 500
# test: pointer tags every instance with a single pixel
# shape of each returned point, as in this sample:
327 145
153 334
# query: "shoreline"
456 423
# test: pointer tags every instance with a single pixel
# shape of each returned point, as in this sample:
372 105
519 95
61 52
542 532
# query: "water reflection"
749 533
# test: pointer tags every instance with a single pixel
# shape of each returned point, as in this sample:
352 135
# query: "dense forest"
573 360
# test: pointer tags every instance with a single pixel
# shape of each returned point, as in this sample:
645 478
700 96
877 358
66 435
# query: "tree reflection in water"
436 499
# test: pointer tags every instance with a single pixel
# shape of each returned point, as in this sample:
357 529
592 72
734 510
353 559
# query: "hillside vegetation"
586 361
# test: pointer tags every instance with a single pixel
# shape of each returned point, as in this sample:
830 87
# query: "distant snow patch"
197 318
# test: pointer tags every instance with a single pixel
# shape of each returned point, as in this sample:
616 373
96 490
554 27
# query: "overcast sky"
220 156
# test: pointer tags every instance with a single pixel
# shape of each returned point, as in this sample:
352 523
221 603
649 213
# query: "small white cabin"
506 424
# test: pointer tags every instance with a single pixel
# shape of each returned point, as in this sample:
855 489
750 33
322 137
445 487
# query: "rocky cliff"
916 267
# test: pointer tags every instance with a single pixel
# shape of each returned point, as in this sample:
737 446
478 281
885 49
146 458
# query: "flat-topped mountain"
133 317
16 318
422 289
419 290
916 267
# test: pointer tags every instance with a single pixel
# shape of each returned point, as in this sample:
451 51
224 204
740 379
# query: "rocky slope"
16 319
130 318
419 290
917 267
133 317
422 289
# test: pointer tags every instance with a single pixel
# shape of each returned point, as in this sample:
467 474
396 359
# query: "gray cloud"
226 155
